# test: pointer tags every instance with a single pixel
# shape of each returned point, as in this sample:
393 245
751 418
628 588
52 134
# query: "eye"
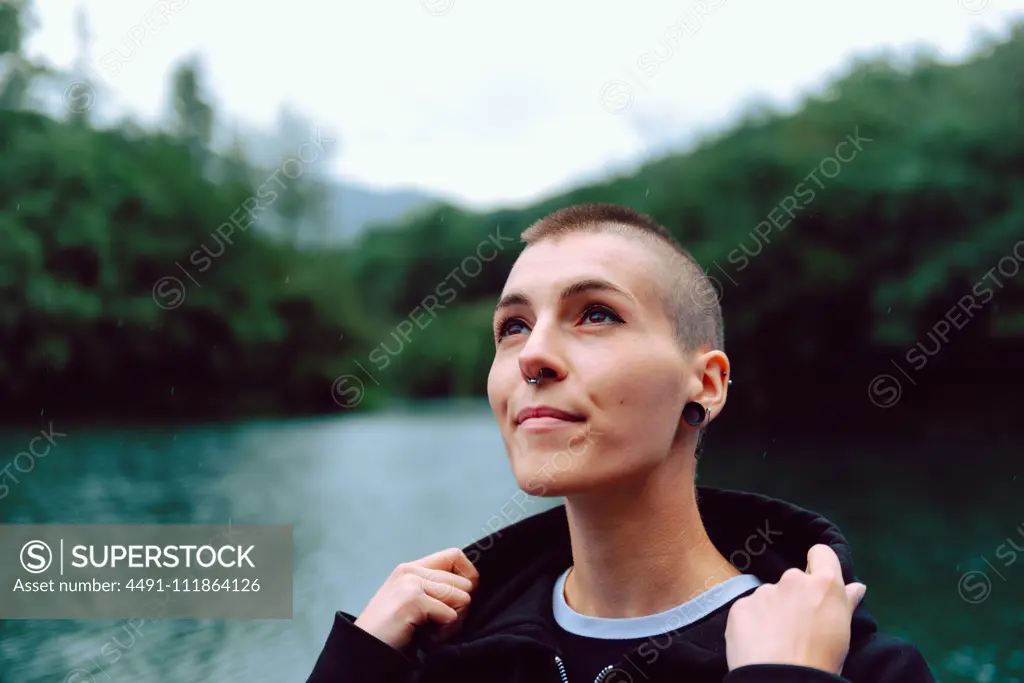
597 314
507 327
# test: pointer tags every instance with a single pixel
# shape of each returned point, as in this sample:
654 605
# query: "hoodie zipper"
565 677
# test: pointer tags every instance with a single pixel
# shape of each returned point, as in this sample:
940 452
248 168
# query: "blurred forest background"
94 221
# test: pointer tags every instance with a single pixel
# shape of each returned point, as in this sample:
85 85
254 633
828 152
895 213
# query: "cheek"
498 387
648 387
643 402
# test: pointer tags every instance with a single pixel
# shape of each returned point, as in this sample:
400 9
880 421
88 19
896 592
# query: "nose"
540 357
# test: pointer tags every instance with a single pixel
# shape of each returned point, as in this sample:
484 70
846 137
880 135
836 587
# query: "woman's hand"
433 589
803 620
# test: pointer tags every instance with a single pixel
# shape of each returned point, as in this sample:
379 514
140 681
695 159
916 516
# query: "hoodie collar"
518 566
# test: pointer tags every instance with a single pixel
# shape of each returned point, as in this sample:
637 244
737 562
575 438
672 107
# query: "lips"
546 411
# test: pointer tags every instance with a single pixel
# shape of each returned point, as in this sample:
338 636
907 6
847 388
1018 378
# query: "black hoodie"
509 633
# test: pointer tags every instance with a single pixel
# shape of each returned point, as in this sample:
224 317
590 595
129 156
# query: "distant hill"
348 211
354 207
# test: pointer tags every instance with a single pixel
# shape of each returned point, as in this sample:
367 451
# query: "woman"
608 365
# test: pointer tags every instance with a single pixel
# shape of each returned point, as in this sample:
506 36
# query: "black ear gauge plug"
694 414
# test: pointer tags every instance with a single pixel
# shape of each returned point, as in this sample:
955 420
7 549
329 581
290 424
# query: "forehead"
553 262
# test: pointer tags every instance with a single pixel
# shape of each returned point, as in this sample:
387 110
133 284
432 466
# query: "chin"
550 472
539 488
543 472
557 485
549 463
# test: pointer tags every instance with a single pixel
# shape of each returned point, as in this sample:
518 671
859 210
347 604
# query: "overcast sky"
493 102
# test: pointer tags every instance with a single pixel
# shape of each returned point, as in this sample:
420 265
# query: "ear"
712 370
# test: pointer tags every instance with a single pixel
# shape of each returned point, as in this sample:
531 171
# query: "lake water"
365 493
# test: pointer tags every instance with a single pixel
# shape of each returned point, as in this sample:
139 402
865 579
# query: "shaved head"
689 298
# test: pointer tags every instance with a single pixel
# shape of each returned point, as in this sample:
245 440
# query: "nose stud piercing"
538 378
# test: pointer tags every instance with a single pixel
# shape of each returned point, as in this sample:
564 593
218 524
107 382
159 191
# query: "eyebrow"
575 289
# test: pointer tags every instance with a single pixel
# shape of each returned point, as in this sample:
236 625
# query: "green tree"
95 223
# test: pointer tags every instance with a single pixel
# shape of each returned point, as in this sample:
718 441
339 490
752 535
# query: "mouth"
546 416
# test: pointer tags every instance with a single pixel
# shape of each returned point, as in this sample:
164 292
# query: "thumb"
854 594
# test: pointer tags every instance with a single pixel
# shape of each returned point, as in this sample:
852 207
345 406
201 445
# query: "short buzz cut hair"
690 299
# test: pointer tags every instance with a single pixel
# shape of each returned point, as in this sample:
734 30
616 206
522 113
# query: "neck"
641 548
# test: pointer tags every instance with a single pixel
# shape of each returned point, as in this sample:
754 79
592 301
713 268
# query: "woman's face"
586 307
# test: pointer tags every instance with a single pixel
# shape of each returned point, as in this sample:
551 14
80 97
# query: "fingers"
437 611
451 560
823 561
438 576
463 567
854 594
791 574
443 605
457 599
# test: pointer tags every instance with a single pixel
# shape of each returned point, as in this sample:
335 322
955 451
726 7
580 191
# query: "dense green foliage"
92 222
